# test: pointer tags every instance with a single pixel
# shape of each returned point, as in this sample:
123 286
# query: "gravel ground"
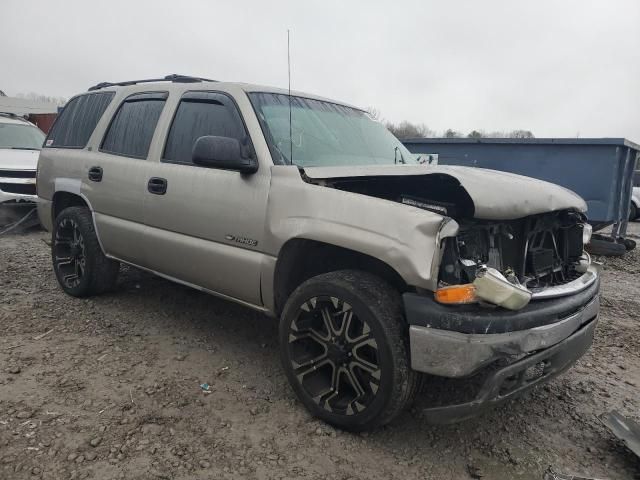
109 387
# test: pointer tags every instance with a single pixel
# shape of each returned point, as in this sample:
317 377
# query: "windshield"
20 137
324 133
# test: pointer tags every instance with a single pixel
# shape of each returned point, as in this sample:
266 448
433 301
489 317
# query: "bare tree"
407 129
449 133
511 134
60 101
521 134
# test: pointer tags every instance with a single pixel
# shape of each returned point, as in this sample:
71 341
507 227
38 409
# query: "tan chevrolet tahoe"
381 269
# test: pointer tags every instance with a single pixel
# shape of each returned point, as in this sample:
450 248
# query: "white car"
634 211
20 143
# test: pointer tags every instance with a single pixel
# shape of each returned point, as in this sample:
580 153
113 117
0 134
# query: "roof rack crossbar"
169 78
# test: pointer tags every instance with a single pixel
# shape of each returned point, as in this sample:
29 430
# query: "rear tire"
344 348
80 266
608 248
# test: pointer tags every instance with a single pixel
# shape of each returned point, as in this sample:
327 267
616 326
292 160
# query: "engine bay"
533 252
536 252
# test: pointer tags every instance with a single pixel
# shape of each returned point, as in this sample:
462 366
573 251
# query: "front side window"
133 125
307 132
20 137
201 114
75 124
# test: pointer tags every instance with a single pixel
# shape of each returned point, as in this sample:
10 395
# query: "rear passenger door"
207 226
117 174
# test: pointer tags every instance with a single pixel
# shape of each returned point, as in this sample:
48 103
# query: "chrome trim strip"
18 180
575 286
23 197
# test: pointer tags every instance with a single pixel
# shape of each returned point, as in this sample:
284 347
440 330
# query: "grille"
540 250
554 242
18 188
18 173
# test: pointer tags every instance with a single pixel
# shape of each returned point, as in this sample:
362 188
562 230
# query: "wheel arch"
64 199
300 259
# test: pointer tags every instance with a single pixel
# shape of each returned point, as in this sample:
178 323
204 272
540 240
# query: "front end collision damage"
459 344
405 238
517 234
515 378
557 305
504 352
493 195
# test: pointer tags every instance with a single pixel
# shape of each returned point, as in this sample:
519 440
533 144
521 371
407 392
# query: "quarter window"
200 114
133 125
78 119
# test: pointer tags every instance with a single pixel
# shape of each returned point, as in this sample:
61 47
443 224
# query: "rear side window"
78 119
132 127
200 114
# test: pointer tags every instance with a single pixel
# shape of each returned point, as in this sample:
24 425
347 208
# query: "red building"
38 112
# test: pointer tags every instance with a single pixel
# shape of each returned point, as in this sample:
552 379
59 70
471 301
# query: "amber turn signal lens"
456 294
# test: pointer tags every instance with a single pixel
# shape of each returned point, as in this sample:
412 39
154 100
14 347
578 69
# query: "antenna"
289 75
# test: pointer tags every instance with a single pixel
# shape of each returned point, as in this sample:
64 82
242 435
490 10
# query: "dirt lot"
109 387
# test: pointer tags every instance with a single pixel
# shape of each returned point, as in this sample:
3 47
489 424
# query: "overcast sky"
558 68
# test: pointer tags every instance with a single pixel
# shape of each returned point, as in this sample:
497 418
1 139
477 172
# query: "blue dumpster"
600 170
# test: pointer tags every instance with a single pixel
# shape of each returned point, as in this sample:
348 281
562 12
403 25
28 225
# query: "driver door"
207 224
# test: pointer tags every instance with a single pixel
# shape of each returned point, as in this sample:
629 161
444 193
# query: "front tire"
344 349
80 266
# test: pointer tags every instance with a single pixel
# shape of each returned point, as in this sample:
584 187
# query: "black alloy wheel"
69 253
80 266
334 355
344 349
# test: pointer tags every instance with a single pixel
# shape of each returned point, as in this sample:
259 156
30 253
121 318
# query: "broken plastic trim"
575 286
624 428
493 287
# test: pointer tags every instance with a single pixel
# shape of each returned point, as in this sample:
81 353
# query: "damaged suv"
380 269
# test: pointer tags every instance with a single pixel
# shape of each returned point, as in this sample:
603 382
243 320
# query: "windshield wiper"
396 150
24 148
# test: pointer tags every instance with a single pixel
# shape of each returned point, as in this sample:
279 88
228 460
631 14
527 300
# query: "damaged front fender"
406 238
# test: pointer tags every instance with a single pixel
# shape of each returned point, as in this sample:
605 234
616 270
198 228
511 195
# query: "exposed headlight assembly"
489 285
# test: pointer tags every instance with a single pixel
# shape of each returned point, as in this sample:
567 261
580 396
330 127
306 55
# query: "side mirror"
222 152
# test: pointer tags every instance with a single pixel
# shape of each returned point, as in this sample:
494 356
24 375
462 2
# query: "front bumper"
518 377
459 342
6 197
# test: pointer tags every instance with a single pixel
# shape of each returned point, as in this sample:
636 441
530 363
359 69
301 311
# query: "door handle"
95 174
157 185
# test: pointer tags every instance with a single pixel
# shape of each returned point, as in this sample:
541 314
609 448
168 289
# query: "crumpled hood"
496 195
18 159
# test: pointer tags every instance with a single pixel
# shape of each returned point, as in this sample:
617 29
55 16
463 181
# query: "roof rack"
169 78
